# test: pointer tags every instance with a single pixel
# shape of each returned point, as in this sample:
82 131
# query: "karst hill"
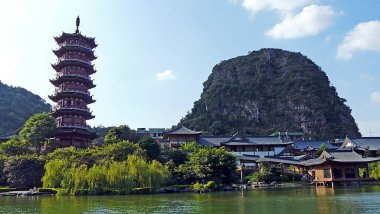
267 91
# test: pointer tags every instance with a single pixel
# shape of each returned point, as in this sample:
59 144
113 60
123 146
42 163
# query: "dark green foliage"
120 133
209 163
177 156
37 129
24 171
14 147
151 147
3 178
100 131
16 106
267 91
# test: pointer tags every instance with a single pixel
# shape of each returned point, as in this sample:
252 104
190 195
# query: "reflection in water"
282 200
324 191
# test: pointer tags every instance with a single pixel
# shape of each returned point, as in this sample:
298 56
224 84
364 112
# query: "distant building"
367 146
307 147
246 145
180 135
155 133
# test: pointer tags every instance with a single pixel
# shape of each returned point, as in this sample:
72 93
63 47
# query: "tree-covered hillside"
16 106
267 91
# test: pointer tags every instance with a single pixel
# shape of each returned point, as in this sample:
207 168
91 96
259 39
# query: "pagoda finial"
78 22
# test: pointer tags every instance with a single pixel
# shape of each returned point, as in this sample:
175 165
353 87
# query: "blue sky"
153 56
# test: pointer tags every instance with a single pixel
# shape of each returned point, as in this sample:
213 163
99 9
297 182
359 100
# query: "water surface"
284 200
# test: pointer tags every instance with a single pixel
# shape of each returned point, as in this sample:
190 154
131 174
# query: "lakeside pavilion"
339 166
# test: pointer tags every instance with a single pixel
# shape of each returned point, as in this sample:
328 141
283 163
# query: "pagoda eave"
88 52
70 131
88 82
61 64
90 40
65 94
73 111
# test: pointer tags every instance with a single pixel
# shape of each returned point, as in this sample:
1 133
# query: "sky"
154 55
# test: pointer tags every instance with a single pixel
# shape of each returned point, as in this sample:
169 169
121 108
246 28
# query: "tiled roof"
210 140
267 140
183 130
373 143
312 145
340 156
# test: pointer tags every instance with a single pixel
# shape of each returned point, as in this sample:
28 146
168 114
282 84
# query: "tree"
13 147
96 178
54 172
3 178
321 148
190 147
120 151
151 147
209 163
37 129
120 133
24 171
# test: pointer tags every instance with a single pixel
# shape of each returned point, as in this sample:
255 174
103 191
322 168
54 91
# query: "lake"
279 200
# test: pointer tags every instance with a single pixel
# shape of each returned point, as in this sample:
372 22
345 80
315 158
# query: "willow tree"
55 172
96 178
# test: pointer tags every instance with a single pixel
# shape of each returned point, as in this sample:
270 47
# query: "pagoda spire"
77 22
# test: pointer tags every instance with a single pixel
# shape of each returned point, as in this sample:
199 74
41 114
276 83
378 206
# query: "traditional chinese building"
181 135
340 166
72 83
367 146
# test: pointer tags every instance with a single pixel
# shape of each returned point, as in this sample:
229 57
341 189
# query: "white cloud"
375 97
166 75
280 6
310 21
364 36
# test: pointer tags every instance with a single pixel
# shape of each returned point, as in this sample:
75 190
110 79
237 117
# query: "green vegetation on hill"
16 106
267 91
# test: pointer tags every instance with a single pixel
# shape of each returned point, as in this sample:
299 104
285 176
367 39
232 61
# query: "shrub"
198 186
53 191
210 185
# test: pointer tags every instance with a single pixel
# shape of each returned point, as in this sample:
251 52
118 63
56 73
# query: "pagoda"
72 83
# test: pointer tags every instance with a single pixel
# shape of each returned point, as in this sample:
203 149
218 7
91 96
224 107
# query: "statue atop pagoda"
72 83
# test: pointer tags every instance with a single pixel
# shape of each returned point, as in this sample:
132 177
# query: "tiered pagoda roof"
68 93
74 63
75 48
89 40
71 78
